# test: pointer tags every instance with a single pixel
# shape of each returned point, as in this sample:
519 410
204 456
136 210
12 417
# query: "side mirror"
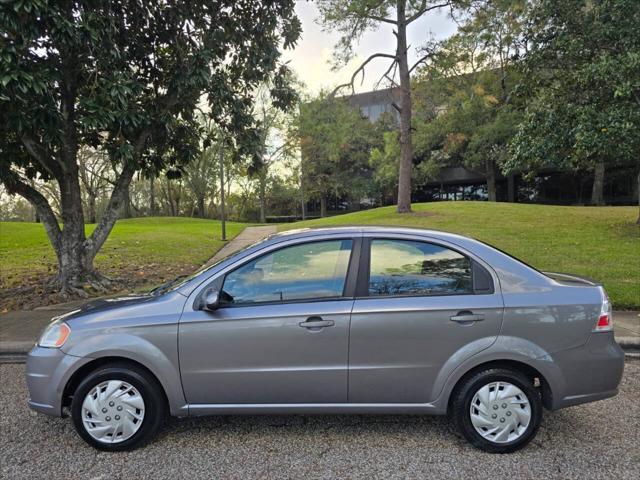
211 300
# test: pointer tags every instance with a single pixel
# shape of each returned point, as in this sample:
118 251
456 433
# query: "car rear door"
420 304
281 332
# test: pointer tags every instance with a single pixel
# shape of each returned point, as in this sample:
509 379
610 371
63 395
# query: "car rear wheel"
497 410
118 407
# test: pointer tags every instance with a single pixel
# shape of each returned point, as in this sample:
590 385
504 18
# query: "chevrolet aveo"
342 320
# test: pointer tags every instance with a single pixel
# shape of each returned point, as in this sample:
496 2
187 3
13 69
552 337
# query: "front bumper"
48 371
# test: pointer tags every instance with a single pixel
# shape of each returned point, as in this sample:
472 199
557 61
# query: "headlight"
54 335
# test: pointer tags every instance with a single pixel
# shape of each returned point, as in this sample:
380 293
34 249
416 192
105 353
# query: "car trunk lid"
572 280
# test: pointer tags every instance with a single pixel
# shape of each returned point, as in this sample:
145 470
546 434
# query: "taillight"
605 321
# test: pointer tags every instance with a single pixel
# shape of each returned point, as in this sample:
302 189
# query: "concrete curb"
19 347
13 358
629 344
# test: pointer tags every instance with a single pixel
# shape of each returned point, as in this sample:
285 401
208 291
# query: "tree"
200 176
274 144
583 74
384 160
125 78
472 129
93 170
466 112
353 18
335 142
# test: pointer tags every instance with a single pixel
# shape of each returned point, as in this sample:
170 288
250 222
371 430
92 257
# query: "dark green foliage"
335 143
582 79
127 77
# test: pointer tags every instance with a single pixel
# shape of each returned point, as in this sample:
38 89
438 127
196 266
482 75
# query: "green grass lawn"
147 250
599 242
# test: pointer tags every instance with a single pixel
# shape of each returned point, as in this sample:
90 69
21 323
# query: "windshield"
181 280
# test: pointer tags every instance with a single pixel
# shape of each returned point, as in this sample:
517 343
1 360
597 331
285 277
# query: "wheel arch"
158 355
537 378
76 378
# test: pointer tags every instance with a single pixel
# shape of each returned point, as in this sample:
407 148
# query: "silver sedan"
341 320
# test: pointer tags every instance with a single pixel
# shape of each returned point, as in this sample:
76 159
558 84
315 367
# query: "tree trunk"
91 207
598 184
263 200
511 188
323 206
223 220
406 150
201 212
172 206
638 193
126 212
75 261
152 197
491 180
303 208
75 252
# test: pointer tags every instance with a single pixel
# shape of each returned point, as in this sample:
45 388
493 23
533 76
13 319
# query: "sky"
311 59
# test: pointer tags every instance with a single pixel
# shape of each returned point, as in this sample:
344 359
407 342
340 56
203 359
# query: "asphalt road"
599 440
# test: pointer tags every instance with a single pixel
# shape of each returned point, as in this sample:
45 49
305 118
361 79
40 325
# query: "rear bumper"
47 372
588 373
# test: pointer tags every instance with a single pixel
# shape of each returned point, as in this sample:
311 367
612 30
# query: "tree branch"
422 59
386 75
380 19
361 69
16 186
108 220
39 153
424 9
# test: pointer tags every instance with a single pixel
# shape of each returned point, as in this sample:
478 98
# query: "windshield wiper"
167 285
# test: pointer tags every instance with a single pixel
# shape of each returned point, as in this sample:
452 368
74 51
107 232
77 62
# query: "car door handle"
316 322
466 316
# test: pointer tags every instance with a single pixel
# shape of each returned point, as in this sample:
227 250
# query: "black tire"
154 402
461 407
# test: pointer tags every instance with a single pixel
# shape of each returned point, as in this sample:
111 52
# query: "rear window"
511 256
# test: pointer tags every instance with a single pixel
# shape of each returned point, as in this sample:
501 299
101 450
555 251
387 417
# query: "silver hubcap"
500 412
112 411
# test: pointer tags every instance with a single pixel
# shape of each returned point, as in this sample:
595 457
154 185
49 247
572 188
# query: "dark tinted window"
403 267
307 271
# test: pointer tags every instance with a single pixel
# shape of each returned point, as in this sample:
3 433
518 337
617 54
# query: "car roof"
365 230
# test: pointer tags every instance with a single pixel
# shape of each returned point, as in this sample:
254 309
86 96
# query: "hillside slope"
599 242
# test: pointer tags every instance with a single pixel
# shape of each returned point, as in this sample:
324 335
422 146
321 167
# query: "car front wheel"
497 410
118 407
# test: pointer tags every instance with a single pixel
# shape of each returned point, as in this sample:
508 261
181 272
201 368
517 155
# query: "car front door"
420 305
280 334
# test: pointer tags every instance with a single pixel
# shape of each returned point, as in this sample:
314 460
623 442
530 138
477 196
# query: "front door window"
315 270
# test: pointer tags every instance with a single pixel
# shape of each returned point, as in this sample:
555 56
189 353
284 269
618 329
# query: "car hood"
115 302
104 305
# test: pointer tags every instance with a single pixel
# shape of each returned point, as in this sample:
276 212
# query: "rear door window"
405 267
